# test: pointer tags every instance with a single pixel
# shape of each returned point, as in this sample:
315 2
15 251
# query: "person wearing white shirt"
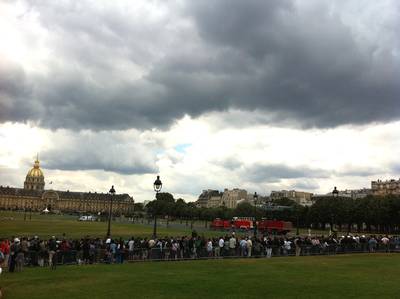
249 247
131 245
221 244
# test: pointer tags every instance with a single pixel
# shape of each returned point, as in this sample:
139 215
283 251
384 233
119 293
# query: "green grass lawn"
13 224
344 276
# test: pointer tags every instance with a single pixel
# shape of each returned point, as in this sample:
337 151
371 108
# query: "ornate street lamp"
335 192
112 192
255 198
157 188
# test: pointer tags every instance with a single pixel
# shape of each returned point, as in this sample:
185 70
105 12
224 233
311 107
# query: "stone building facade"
388 187
34 197
209 199
302 198
229 198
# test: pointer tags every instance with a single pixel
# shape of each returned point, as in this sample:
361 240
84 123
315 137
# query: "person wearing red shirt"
5 249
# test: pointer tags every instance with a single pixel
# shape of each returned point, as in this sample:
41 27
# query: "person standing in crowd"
42 253
209 248
2 258
120 251
298 243
175 249
5 249
249 246
131 247
53 246
20 256
34 251
243 247
113 251
268 247
221 244
372 244
216 247
14 250
232 245
86 251
385 242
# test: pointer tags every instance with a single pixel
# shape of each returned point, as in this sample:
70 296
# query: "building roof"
64 194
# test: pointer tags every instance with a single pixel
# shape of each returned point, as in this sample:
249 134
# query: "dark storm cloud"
15 93
307 65
109 151
112 69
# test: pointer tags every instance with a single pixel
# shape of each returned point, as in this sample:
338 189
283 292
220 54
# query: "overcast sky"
262 95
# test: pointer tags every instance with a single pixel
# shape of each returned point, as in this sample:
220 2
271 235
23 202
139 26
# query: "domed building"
33 197
35 178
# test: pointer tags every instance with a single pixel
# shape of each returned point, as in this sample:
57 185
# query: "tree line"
372 214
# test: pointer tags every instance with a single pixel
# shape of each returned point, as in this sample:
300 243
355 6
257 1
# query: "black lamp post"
30 211
255 198
157 188
25 211
112 192
335 192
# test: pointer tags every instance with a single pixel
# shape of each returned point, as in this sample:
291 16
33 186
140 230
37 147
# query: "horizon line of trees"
371 213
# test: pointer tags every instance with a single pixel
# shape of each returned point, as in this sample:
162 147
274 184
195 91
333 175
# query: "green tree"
245 209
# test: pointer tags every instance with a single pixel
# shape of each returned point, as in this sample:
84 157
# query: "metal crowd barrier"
35 258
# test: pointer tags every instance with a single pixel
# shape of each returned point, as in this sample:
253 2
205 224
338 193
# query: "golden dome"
35 178
35 171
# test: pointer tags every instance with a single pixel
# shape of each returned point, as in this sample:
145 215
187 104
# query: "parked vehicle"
87 218
274 226
247 223
242 222
221 224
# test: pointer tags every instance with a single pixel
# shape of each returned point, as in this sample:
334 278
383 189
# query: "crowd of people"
15 253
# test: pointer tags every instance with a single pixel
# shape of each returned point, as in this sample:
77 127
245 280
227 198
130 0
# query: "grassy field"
13 224
345 276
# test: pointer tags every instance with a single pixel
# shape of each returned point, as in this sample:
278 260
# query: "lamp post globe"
112 192
255 198
157 185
